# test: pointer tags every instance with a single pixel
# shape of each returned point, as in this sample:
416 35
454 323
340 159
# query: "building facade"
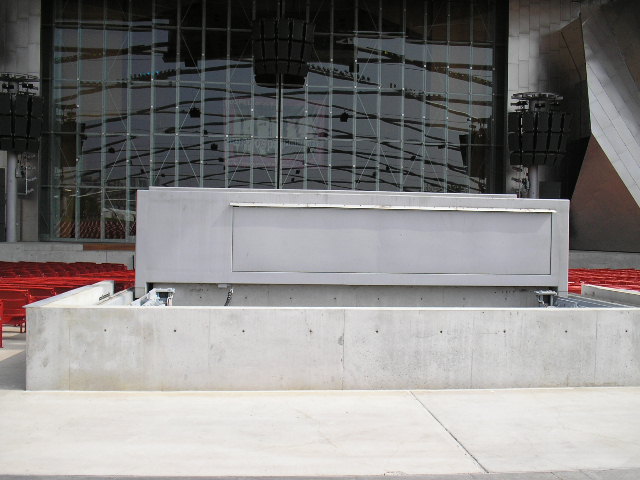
406 96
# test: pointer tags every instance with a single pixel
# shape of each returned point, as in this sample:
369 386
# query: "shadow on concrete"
13 361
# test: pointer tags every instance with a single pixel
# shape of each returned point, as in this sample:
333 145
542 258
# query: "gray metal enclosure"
295 243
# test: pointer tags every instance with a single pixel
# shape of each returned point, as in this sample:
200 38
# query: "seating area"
626 279
22 283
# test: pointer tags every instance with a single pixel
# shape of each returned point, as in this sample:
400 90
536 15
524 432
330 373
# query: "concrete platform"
532 434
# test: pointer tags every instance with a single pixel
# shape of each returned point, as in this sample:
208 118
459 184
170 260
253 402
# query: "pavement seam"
450 433
344 334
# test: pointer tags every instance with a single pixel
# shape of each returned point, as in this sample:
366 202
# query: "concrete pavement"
528 434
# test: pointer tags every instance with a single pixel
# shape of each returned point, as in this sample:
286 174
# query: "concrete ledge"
594 259
81 296
615 295
257 348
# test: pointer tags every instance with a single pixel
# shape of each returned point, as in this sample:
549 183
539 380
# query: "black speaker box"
540 158
541 141
554 142
6 143
514 142
514 122
33 145
5 104
21 105
527 141
528 121
563 144
20 126
543 122
36 107
19 144
35 127
5 126
556 122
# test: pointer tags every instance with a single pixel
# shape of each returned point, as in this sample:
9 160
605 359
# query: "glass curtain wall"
400 96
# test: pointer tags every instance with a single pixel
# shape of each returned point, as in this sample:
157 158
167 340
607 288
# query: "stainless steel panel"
613 91
604 215
379 241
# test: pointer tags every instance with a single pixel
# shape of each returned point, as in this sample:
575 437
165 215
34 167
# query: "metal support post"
12 197
534 181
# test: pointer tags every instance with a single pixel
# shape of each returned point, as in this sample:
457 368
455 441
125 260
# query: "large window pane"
164 161
90 213
65 46
116 213
213 163
400 96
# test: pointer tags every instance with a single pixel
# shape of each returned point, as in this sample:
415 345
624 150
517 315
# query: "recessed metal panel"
372 241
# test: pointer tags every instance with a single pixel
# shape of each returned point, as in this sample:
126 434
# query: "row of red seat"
35 269
626 279
91 229
22 283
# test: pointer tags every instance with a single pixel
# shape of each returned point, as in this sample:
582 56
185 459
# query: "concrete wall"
61 252
615 295
268 237
243 348
350 296
593 259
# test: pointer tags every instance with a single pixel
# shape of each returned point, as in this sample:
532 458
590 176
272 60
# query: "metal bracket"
546 298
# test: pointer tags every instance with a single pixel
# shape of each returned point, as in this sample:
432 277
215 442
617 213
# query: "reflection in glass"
164 161
65 46
189 161
90 213
391 174
140 113
116 55
213 163
341 165
141 43
115 108
164 113
115 213
165 50
400 96
366 165
140 161
317 165
215 64
90 111
91 161
115 161
91 53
